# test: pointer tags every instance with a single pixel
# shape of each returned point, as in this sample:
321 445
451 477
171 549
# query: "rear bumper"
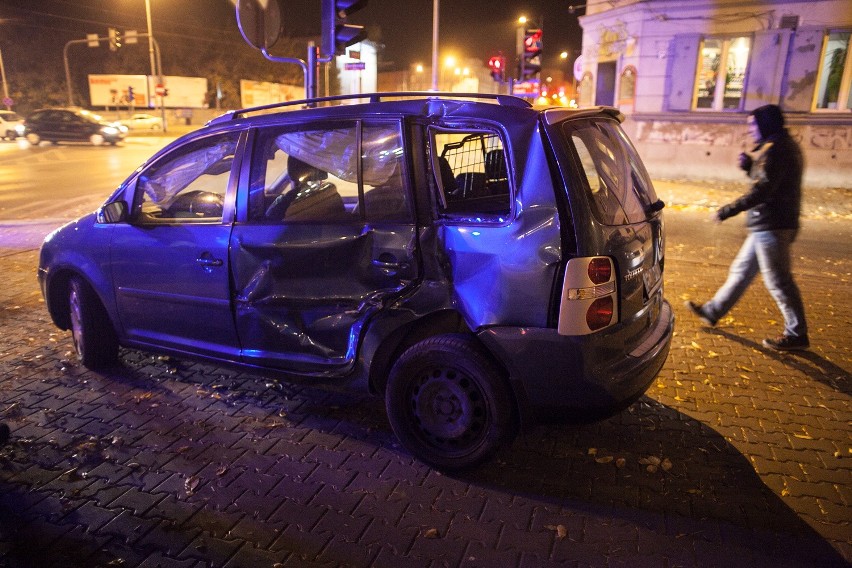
573 377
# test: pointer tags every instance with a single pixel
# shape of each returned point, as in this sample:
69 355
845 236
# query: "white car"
143 122
9 121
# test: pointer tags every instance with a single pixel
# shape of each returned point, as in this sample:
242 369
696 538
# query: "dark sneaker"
698 310
787 343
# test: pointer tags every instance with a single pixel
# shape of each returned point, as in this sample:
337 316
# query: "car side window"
383 159
189 185
311 174
618 187
471 173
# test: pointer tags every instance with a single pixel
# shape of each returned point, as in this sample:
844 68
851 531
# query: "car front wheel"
33 138
449 403
93 336
96 139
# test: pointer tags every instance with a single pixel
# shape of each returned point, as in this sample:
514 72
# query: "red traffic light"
532 40
495 63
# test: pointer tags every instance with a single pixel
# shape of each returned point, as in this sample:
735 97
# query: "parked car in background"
477 262
70 125
9 122
143 121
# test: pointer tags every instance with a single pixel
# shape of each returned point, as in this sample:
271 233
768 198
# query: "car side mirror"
113 212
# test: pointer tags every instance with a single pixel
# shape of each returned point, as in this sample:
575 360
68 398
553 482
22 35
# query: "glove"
724 212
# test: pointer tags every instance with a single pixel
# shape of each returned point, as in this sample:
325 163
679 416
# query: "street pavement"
737 456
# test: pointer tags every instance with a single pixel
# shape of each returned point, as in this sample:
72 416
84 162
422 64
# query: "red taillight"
599 314
600 270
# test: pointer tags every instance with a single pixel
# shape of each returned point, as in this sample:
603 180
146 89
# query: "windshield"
619 186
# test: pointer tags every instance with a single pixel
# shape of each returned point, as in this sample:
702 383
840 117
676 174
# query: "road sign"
160 90
355 66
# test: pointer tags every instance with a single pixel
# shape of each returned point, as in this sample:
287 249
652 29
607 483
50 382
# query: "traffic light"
531 55
497 64
114 39
337 35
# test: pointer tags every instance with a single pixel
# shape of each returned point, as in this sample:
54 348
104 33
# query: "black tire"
91 331
449 403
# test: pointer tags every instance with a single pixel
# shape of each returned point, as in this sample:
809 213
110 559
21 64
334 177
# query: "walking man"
772 205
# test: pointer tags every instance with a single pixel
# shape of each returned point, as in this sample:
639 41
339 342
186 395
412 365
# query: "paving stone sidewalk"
736 457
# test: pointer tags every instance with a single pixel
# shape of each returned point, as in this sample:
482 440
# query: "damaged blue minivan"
477 262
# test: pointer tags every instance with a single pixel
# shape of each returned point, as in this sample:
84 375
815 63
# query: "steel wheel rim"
448 409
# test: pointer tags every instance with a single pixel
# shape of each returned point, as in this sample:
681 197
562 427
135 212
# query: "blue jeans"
767 252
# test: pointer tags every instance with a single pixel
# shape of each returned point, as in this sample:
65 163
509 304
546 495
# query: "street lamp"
157 78
435 12
6 98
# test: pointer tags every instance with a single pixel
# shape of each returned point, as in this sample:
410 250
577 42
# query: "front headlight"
122 127
20 129
109 130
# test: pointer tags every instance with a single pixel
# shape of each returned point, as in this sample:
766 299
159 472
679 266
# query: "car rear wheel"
33 138
449 403
96 139
93 336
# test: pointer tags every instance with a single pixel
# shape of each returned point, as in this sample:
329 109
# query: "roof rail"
505 100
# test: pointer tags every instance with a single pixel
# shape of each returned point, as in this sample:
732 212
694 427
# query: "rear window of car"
618 185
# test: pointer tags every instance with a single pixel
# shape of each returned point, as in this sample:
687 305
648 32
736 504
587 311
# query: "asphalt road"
737 456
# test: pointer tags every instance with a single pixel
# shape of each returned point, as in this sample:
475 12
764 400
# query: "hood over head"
770 120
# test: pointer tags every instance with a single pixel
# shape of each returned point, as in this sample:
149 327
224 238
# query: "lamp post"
6 98
435 12
156 77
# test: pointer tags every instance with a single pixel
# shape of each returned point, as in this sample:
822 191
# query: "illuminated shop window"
721 73
834 90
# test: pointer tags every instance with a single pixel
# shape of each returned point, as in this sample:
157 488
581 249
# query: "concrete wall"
680 148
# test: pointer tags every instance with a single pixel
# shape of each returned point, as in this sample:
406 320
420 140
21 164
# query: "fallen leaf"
605 459
222 471
620 463
803 436
695 345
432 533
191 484
561 530
592 451
666 465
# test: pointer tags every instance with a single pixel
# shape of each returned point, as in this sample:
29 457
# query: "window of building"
627 87
722 64
834 90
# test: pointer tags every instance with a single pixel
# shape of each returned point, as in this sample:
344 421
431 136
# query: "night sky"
468 28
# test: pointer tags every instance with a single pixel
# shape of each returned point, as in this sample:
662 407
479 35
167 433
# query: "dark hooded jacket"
775 166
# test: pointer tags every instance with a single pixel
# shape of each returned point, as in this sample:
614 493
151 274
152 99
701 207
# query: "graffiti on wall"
829 137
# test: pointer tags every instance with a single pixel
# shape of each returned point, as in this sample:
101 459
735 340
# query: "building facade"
687 73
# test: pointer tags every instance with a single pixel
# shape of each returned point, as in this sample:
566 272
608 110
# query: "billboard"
259 93
139 91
